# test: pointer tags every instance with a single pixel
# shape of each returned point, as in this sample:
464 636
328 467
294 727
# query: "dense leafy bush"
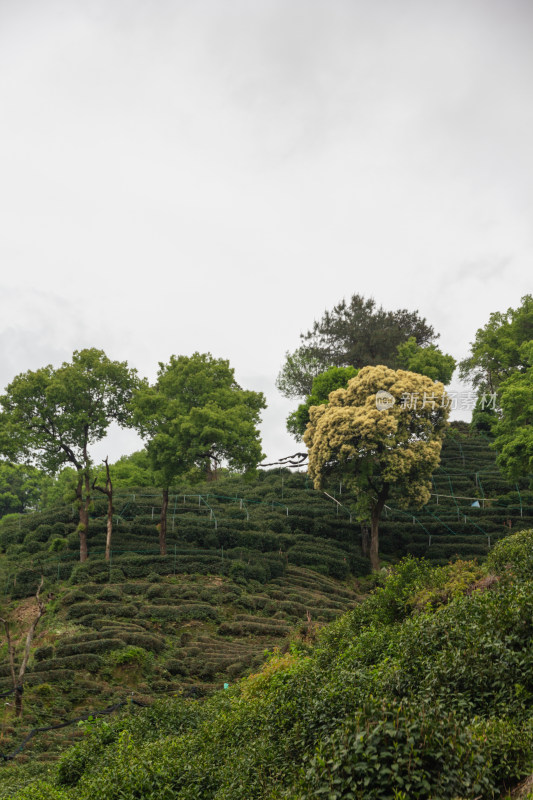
392 749
513 554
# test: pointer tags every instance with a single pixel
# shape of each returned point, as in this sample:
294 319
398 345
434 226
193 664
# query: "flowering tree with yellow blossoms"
383 435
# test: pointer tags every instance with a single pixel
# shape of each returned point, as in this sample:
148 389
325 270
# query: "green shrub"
41 790
513 555
82 661
42 653
95 645
75 596
131 655
111 593
508 748
391 749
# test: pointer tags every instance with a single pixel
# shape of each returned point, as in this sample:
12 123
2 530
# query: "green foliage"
498 350
50 415
390 748
62 489
507 746
131 655
57 545
513 555
22 488
41 790
428 360
298 372
514 427
323 384
354 333
195 415
379 453
132 471
388 704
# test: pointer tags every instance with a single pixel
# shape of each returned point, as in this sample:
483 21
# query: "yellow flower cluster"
399 445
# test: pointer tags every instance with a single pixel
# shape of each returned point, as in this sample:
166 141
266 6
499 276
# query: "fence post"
175 559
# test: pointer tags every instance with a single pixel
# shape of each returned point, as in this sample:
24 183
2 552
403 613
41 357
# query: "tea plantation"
252 569
422 691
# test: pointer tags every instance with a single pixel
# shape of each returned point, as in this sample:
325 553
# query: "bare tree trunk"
85 502
163 525
109 532
211 473
83 524
374 527
18 680
108 491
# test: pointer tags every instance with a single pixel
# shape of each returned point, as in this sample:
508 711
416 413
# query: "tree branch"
31 632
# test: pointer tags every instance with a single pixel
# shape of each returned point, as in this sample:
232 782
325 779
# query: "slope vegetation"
422 691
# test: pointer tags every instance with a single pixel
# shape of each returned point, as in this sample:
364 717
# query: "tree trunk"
374 527
18 700
19 680
83 524
365 540
211 473
163 525
108 491
109 528
374 541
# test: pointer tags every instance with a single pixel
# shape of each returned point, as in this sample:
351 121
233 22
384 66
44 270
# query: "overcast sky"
212 176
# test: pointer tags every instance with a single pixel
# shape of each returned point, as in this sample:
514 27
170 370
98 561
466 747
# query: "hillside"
422 691
250 567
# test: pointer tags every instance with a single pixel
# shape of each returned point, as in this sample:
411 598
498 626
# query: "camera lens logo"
384 400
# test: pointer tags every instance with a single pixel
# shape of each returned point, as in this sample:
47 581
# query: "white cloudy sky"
179 176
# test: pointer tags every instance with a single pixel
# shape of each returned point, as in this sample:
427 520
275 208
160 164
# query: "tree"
297 374
17 677
133 471
428 360
514 426
382 446
22 488
323 384
354 333
51 417
107 490
498 352
197 416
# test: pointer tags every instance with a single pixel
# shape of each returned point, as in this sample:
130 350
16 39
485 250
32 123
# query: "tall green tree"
22 487
197 416
51 417
133 471
498 350
325 383
514 425
381 450
427 360
298 373
354 333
